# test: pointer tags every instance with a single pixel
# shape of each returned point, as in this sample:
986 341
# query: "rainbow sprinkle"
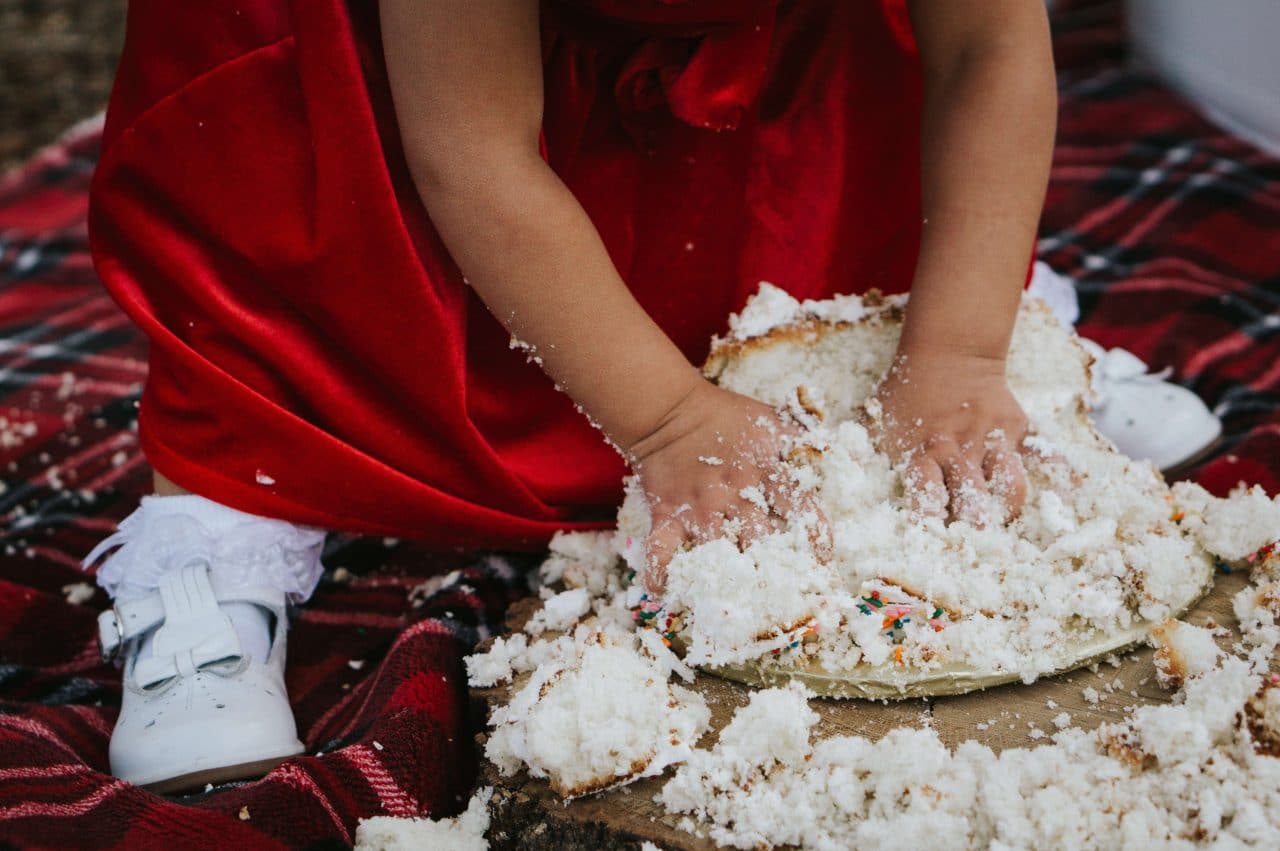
650 615
895 616
1265 552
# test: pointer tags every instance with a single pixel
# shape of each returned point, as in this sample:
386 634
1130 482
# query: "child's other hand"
714 467
952 418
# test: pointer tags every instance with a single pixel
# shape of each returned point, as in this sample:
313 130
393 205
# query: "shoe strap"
130 619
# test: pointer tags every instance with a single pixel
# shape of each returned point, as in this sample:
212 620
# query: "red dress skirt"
315 355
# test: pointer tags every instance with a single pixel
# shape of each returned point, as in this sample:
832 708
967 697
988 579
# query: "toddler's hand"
952 418
714 467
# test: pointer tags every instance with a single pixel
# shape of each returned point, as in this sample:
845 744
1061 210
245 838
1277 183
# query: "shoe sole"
223 774
1183 467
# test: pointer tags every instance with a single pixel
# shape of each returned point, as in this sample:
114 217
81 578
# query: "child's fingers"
1054 464
967 486
666 538
803 506
926 486
820 537
1006 477
707 525
780 497
754 524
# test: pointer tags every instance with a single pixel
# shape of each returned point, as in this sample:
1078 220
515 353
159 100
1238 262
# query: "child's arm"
987 138
467 83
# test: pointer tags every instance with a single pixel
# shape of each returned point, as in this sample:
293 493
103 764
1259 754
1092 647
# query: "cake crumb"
78 593
1182 651
463 833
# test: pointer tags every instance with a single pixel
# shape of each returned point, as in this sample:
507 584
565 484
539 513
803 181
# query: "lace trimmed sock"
167 532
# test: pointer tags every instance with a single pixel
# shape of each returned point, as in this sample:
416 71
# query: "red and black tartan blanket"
1170 226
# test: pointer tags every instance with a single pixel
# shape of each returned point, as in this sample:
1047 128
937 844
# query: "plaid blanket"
1170 226
375 668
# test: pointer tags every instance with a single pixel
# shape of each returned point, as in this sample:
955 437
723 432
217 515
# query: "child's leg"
163 487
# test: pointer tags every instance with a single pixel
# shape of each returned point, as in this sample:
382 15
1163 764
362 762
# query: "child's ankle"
164 487
170 530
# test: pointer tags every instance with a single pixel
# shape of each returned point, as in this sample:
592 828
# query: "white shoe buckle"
110 634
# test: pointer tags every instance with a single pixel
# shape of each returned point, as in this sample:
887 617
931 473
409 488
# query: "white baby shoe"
193 582
1146 416
1143 414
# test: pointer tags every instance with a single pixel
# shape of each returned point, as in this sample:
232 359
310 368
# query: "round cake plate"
890 682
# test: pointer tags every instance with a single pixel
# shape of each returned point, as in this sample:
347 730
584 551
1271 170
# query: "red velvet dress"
315 355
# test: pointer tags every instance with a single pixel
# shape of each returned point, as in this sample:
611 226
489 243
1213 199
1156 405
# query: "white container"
1222 54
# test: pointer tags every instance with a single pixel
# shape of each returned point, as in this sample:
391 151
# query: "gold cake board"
894 682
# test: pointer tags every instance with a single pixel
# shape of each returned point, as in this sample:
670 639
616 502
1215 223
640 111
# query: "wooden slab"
1014 710
527 815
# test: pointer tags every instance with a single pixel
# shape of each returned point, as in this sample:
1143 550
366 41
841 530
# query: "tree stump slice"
525 814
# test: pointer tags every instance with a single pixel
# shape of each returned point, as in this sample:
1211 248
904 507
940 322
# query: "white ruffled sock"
169 530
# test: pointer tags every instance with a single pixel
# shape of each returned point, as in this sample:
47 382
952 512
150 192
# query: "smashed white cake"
908 604
1171 776
464 833
1201 771
1182 651
599 714
1103 551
